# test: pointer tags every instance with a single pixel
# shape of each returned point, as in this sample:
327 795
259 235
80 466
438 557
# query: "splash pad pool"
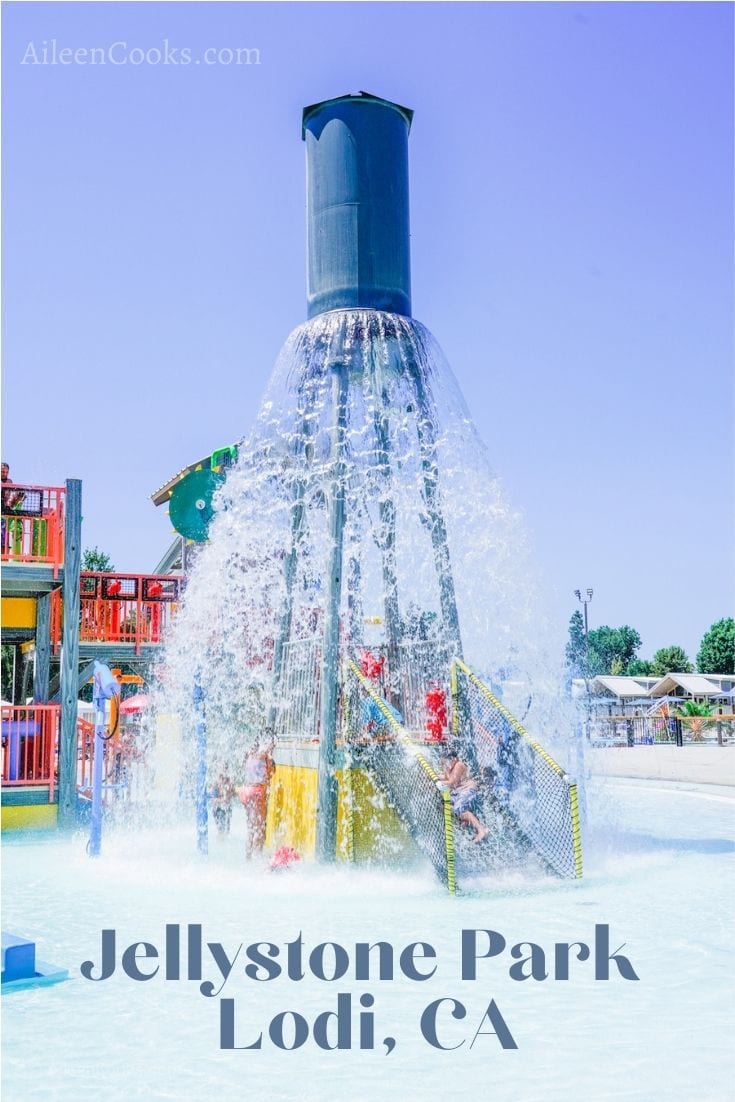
363 557
658 866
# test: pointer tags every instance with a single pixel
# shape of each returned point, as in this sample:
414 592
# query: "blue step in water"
20 969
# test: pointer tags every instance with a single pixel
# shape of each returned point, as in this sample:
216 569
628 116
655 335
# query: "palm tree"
697 716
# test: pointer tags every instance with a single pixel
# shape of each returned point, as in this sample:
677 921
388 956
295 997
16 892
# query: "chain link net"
521 777
403 773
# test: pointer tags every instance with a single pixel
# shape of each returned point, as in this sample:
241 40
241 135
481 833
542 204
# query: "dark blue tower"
358 244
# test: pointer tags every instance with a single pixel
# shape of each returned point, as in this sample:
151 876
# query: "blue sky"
571 175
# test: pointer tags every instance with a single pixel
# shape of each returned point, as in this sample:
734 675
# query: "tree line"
615 651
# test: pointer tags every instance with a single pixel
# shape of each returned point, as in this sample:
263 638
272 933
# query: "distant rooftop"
625 687
695 684
163 493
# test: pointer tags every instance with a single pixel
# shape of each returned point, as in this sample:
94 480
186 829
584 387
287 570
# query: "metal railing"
402 772
716 730
424 667
297 713
33 524
634 731
123 608
85 754
672 730
124 761
30 739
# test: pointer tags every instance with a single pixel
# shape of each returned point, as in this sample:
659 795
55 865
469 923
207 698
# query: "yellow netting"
519 774
407 779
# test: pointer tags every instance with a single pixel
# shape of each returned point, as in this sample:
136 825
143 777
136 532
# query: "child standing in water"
223 794
254 795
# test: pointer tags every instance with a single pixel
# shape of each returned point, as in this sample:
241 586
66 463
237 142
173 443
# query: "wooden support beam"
42 671
85 673
70 655
425 429
28 579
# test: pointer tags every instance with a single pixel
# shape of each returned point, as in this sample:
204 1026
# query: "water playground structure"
119 618
336 538
354 564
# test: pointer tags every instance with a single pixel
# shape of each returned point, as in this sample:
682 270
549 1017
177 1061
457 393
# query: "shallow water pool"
658 871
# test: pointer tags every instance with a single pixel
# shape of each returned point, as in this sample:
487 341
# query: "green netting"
524 780
401 771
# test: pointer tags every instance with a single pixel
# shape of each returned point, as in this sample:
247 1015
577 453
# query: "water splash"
361 408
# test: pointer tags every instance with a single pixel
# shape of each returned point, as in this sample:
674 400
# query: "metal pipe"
326 819
432 500
297 531
354 601
387 512
202 818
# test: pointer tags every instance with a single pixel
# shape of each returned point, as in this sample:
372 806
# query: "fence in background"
30 739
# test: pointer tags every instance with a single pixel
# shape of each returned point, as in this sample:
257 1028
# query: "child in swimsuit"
464 791
254 796
222 805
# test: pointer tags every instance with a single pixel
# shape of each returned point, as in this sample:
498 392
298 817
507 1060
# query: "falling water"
362 414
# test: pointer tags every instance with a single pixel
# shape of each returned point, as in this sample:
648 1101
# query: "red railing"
30 739
122 608
33 524
56 618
